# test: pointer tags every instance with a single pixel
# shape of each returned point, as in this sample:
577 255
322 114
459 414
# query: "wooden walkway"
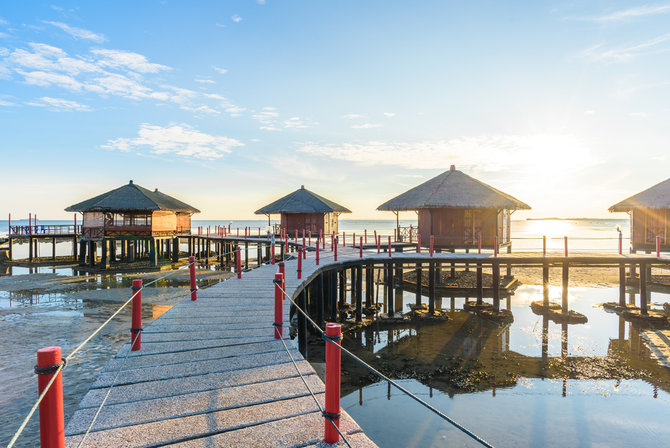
210 374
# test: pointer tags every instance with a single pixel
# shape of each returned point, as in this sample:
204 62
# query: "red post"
432 244
495 246
544 244
479 242
410 236
52 417
379 242
344 239
332 242
304 248
333 365
238 262
360 248
272 252
309 238
238 232
365 232
565 241
136 320
246 232
279 280
620 244
191 271
353 243
658 246
418 243
299 270
335 250
259 232
390 245
317 252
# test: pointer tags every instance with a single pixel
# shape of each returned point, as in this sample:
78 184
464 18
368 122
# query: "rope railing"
384 377
67 359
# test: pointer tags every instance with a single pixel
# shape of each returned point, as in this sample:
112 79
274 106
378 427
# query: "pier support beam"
480 284
419 284
622 284
369 285
496 286
359 293
564 289
643 289
545 284
431 287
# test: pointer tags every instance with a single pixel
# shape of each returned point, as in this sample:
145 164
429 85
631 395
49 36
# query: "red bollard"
353 243
389 245
333 366
410 236
238 232
299 263
304 249
432 244
418 243
332 241
282 271
344 239
658 246
620 244
278 281
191 269
272 252
335 250
136 320
544 245
317 252
479 243
565 241
375 235
379 243
238 262
360 248
52 417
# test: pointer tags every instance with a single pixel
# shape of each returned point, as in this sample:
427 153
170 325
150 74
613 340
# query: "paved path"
210 374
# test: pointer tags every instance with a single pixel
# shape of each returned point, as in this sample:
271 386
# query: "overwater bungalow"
455 209
304 209
649 213
136 217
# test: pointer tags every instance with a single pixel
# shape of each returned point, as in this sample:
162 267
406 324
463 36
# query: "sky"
229 105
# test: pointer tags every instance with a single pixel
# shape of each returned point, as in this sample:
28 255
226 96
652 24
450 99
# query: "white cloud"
353 116
219 70
624 54
46 79
640 11
298 123
489 153
234 111
127 60
268 118
3 51
389 114
176 139
236 18
59 104
205 81
78 33
4 103
367 126
3 22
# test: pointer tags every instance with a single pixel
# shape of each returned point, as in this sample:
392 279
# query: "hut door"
654 225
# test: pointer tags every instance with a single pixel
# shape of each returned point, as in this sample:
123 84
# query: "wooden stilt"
53 248
496 286
545 284
359 293
564 289
431 287
622 284
480 284
643 289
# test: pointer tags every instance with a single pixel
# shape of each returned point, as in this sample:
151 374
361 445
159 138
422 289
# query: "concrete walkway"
210 374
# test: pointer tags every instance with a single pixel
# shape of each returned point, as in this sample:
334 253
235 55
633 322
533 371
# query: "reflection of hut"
455 208
304 209
129 214
649 213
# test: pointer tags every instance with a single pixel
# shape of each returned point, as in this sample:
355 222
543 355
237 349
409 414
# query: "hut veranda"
456 209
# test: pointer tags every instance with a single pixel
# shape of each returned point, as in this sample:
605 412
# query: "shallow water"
531 383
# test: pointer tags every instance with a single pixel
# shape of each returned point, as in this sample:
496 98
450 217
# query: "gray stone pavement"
211 374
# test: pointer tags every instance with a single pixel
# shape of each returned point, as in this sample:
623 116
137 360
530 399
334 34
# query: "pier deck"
210 373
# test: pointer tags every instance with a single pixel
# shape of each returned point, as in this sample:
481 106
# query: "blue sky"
229 105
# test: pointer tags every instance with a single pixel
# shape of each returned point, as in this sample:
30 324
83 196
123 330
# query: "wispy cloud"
4 103
3 22
652 46
367 126
236 18
488 153
127 60
59 104
298 123
78 33
351 116
219 70
268 118
205 81
631 13
177 139
389 114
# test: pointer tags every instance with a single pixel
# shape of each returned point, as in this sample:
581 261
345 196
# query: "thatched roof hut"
454 208
649 217
304 209
134 210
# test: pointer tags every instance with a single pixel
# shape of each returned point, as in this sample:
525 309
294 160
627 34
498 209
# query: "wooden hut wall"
163 221
646 225
184 223
311 222
459 227
331 224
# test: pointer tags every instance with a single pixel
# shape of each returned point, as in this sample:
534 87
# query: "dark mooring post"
389 288
104 260
175 249
359 293
431 287
496 286
302 325
480 284
82 253
622 284
332 296
342 287
91 253
419 279
564 289
643 288
369 285
545 284
352 293
318 297
246 255
53 248
30 249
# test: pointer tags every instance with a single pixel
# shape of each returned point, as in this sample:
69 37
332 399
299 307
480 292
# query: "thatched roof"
131 198
302 201
657 196
453 188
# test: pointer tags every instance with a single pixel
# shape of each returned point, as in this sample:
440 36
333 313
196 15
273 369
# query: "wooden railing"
45 230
